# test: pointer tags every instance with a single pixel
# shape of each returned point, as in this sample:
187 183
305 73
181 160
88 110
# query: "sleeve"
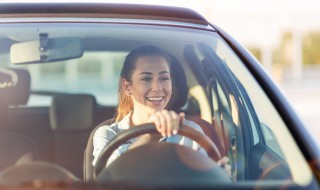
101 138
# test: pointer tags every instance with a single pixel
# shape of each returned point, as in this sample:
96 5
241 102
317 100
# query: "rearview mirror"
46 50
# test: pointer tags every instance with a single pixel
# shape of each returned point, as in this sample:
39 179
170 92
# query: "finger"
158 124
162 122
153 119
168 121
227 169
182 117
175 122
223 161
172 121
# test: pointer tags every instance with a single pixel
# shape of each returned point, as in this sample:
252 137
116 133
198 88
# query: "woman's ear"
126 87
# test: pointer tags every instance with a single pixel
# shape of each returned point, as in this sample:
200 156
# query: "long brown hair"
125 102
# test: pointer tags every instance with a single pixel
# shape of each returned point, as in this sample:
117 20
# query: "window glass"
274 130
95 73
238 100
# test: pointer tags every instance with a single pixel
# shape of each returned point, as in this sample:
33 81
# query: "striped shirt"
106 133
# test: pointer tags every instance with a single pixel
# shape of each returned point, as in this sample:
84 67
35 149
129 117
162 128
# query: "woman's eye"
164 78
146 79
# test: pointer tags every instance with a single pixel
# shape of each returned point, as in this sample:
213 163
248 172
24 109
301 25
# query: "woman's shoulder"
113 126
107 127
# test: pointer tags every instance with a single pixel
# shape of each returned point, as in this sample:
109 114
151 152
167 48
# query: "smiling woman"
145 69
145 88
214 118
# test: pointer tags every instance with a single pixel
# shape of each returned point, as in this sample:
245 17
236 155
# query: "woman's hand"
167 122
224 163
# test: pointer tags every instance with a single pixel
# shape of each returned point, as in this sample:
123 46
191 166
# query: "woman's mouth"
155 99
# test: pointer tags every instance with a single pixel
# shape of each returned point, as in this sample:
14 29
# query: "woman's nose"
156 85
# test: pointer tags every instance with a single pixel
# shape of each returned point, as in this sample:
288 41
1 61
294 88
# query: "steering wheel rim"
124 136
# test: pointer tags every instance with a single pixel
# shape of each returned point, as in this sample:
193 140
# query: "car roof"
101 10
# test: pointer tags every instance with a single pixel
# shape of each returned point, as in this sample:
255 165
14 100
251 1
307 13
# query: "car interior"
53 141
50 133
71 118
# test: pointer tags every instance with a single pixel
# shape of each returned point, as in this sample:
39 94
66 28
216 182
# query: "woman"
145 88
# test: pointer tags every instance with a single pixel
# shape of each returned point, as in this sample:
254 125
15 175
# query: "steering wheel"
135 131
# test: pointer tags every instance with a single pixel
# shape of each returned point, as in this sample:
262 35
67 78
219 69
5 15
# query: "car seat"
178 100
14 148
71 120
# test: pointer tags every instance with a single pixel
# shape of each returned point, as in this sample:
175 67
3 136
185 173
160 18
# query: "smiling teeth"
155 99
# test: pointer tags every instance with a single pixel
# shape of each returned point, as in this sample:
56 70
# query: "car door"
266 160
249 143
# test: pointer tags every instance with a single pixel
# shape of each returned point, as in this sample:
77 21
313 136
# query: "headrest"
15 84
70 112
180 89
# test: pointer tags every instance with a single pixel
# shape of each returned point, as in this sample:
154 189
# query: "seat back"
14 91
88 168
71 120
14 148
32 122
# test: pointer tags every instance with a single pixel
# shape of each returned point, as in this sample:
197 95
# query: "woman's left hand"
224 163
167 122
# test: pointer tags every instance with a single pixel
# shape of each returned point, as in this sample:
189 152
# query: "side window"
268 137
242 109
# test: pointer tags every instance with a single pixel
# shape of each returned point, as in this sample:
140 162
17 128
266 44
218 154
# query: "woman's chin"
158 106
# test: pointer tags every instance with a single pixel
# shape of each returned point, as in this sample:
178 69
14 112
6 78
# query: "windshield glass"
219 91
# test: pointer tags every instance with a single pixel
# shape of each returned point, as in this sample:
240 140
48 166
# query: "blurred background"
284 35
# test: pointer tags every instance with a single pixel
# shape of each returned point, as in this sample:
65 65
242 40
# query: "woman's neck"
138 118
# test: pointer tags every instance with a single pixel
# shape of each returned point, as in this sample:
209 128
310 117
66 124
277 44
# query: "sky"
251 22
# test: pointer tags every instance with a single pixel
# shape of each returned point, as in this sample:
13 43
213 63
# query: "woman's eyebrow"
145 73
164 72
150 73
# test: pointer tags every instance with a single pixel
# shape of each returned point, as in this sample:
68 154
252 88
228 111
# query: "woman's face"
151 86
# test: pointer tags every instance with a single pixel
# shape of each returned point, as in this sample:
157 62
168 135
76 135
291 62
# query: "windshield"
220 91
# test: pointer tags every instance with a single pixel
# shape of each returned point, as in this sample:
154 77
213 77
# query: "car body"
60 66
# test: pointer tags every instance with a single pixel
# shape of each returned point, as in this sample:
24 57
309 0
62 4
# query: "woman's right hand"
167 122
